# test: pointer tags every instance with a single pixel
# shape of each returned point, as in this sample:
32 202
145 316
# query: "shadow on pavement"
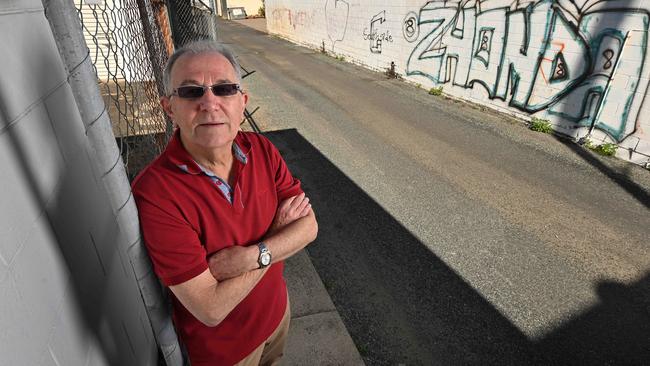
404 305
614 332
634 189
400 303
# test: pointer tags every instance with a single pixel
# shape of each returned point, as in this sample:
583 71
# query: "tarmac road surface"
451 235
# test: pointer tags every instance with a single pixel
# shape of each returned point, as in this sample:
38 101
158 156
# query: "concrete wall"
68 291
582 64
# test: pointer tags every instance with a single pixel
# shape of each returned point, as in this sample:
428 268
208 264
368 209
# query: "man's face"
209 122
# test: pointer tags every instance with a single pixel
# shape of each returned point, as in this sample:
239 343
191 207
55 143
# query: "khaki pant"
271 351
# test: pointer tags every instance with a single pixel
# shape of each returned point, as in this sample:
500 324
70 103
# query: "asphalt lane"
450 234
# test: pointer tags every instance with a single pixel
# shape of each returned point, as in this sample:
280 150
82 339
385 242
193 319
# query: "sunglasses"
197 91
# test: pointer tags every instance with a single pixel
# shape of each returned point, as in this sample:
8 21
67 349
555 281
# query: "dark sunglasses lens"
190 91
222 90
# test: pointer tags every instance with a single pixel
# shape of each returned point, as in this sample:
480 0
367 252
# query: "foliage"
436 91
340 58
588 144
261 11
606 149
541 125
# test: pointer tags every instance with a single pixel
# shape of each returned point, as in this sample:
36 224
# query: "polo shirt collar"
178 156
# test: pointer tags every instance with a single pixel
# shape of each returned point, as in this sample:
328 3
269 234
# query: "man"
219 212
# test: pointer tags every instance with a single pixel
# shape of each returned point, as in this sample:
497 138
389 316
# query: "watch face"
265 259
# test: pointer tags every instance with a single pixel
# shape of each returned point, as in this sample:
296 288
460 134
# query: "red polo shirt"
184 218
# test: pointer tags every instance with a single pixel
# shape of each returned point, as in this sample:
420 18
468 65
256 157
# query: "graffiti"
559 69
376 38
375 42
283 16
336 19
608 55
410 27
483 51
580 60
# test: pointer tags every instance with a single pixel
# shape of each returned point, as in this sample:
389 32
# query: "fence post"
224 8
155 54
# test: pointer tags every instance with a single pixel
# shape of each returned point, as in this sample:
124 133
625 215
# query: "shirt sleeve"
173 245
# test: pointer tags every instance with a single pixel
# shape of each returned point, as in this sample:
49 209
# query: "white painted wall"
68 291
551 59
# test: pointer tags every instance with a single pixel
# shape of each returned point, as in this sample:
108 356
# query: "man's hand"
233 261
236 260
289 211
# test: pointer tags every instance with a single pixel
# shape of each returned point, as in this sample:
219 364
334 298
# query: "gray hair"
196 48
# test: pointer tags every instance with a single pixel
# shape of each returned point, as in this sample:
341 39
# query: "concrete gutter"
317 335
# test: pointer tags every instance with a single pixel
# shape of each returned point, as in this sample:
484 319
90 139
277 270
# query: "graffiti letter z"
430 47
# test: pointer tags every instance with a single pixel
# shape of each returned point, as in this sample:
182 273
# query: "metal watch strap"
264 258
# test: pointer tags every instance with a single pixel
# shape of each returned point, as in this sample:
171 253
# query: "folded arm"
209 300
294 226
233 272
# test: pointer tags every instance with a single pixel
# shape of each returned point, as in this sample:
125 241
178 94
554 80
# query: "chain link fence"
127 60
192 20
129 42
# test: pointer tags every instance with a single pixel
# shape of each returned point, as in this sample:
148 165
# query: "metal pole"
213 19
224 9
155 54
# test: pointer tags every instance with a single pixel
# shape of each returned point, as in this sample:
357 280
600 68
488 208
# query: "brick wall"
583 65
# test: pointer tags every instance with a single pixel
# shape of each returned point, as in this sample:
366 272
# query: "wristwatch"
264 259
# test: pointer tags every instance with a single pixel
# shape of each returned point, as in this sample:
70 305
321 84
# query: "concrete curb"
317 335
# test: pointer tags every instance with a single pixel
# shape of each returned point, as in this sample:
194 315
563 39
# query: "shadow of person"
616 331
